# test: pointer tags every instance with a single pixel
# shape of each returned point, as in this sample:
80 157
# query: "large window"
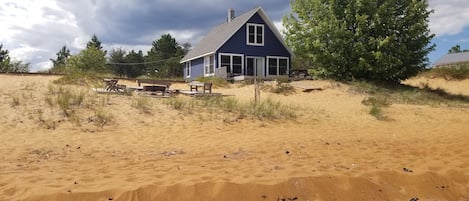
233 63
277 66
188 69
209 64
255 34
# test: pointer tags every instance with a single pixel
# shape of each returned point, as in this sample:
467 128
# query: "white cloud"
449 17
34 30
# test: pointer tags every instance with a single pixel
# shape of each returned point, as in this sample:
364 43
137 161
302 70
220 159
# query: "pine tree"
62 57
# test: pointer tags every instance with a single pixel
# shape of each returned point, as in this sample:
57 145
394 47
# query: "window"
255 34
188 69
273 66
277 66
232 62
209 64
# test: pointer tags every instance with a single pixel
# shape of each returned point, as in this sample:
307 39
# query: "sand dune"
334 150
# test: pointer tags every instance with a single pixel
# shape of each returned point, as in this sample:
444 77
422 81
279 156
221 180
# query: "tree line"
7 64
162 60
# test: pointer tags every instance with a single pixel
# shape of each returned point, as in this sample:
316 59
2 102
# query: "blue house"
247 45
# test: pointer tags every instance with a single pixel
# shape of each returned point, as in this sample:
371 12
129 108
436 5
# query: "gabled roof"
453 58
222 33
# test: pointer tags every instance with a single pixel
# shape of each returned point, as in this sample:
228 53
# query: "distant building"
247 45
452 60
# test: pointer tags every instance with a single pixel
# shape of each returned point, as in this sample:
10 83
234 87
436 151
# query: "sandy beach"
333 150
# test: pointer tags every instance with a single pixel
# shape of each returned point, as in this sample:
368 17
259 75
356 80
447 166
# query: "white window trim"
231 61
205 64
188 66
278 65
255 34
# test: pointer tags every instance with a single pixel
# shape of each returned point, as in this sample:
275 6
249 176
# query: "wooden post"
257 92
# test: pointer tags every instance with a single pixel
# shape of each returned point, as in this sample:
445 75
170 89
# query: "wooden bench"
206 86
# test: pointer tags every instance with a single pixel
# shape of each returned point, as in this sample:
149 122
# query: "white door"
255 66
260 67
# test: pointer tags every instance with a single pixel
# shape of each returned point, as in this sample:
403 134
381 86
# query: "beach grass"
267 109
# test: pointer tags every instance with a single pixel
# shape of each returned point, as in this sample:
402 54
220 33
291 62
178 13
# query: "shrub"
376 104
102 117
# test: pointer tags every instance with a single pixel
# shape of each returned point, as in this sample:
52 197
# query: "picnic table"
154 85
206 86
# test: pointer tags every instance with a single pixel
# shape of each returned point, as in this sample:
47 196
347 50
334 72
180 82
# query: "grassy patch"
102 117
376 106
278 87
403 94
267 109
458 72
15 101
216 81
66 98
143 104
79 78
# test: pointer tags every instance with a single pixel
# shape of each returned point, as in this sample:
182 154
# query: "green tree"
162 56
96 43
18 67
9 65
386 40
136 67
59 63
456 49
116 59
4 59
88 60
164 48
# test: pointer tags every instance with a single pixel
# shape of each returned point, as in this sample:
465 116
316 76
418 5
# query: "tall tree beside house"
386 40
164 48
162 56
61 60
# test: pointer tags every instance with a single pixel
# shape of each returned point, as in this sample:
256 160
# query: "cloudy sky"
35 30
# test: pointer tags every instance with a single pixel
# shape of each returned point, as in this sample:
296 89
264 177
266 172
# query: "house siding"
197 69
272 45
